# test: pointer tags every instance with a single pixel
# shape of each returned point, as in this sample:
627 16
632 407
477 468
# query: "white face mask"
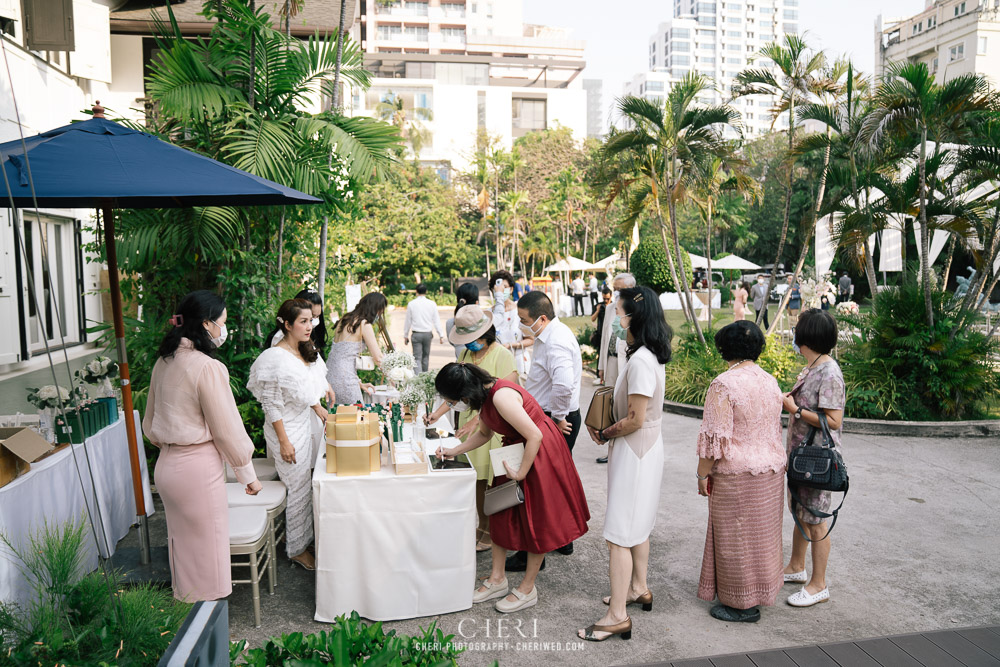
461 406
760 281
529 329
217 341
315 322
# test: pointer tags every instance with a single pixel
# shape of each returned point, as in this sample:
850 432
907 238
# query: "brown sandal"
646 600
623 629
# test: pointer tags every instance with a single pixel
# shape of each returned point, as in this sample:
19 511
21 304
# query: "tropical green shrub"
897 367
78 618
350 641
693 367
726 295
649 266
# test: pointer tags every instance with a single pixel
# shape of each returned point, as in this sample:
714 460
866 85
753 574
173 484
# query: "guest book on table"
512 454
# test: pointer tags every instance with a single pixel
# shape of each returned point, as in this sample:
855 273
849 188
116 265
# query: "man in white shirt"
554 378
612 347
422 318
578 289
594 296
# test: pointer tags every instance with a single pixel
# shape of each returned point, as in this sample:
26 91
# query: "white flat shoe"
797 577
522 602
492 591
803 599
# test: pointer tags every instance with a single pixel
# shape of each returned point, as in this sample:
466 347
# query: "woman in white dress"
508 325
635 459
289 380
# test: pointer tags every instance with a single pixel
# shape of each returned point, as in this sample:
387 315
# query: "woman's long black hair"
188 322
371 306
647 323
319 331
463 382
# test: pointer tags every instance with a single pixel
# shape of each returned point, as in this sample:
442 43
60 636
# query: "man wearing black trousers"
554 379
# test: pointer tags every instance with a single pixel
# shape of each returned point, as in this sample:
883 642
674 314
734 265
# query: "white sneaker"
597 381
522 602
804 599
797 577
492 591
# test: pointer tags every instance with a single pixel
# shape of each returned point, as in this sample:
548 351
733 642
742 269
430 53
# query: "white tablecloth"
51 493
394 547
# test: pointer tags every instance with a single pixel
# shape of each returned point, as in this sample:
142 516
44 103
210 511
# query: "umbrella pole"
126 385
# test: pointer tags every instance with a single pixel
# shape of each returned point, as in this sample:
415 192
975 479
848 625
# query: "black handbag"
819 467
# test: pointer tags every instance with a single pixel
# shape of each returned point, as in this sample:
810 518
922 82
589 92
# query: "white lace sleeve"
266 381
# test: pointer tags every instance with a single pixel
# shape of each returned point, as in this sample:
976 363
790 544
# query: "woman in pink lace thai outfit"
741 470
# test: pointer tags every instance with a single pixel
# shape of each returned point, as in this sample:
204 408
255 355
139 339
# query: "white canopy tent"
572 264
734 263
699 262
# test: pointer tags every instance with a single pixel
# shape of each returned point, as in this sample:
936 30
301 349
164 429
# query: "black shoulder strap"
816 513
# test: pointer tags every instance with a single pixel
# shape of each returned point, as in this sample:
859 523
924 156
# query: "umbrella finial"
98 109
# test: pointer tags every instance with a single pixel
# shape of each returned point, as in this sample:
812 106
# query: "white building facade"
51 295
717 40
462 68
952 37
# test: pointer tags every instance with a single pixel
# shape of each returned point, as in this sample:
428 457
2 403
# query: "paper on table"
512 454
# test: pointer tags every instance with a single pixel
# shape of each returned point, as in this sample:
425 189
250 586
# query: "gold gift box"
352 445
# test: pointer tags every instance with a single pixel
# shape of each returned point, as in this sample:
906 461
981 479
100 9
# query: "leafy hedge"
649 266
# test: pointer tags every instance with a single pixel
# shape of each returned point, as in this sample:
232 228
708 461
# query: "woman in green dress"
474 329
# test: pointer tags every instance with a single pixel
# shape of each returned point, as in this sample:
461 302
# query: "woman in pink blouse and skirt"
741 470
191 416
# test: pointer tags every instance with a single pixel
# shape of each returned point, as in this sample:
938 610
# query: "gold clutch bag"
599 412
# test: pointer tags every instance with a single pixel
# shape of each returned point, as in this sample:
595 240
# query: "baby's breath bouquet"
411 396
397 367
426 383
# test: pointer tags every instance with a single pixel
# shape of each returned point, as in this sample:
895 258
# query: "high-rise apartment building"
952 37
595 107
717 40
459 68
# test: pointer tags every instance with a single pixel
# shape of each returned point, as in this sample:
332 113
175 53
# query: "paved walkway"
914 551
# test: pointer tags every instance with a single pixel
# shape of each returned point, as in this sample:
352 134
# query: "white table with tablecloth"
51 493
393 547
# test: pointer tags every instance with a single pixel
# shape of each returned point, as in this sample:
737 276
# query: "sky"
618 41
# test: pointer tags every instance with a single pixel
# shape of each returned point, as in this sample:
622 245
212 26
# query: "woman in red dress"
554 511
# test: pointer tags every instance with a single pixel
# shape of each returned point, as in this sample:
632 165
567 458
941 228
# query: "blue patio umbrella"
100 164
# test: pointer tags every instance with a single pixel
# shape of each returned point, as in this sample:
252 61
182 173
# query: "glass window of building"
656 86
419 70
682 46
681 33
957 52
705 8
706 20
791 15
680 60
959 9
527 115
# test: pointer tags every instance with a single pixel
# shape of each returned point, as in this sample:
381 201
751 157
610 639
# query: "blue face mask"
616 328
474 346
795 347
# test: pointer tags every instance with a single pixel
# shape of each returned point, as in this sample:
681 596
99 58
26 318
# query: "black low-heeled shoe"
731 615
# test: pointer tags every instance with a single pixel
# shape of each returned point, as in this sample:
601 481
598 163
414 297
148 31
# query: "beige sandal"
481 544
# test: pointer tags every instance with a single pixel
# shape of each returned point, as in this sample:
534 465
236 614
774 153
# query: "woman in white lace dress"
289 380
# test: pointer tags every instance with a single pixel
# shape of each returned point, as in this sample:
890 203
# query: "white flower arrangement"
588 351
398 366
847 308
51 396
412 395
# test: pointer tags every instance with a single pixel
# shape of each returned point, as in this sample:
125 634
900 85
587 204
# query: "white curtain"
825 247
938 241
891 251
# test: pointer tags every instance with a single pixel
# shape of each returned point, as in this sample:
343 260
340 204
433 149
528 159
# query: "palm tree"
666 145
714 177
911 106
830 110
202 91
513 201
795 83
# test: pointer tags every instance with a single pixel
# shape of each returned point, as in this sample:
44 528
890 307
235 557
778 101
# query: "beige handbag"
599 414
502 497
